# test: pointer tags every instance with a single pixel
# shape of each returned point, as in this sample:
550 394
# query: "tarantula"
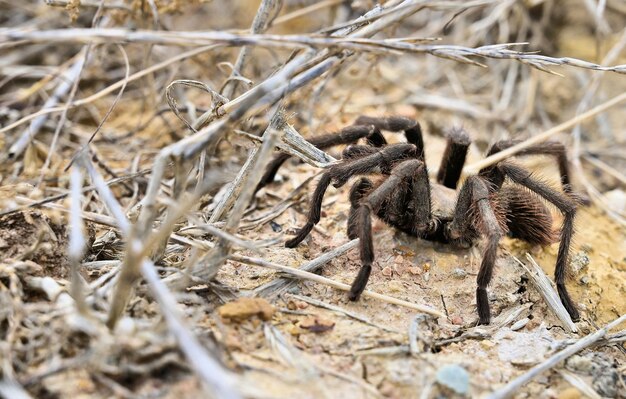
404 197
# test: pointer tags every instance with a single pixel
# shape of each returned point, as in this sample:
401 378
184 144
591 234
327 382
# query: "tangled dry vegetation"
138 261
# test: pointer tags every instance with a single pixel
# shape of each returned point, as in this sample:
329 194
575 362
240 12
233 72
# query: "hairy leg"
348 135
475 193
409 207
341 173
567 206
315 211
412 129
453 158
370 204
548 148
359 190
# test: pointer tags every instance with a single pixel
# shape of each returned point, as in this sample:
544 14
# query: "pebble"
579 261
580 364
459 273
518 325
456 320
617 199
387 272
415 270
246 308
485 343
454 377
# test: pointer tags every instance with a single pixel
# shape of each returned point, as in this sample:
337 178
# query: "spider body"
403 196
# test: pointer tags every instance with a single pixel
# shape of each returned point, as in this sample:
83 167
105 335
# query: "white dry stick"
579 384
543 284
267 9
106 195
343 311
539 138
414 334
293 143
109 5
11 389
77 244
247 181
66 81
109 89
282 284
187 148
356 42
513 386
220 381
335 284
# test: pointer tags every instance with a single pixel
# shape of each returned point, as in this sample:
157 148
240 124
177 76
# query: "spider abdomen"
527 217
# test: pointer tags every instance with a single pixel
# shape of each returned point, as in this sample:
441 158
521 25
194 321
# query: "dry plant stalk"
340 286
543 284
512 387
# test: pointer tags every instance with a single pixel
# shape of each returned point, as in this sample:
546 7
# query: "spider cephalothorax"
403 196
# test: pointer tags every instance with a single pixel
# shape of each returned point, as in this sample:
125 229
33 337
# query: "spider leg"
371 204
409 206
385 158
354 151
350 134
315 211
341 173
359 190
412 129
475 193
548 148
567 206
453 158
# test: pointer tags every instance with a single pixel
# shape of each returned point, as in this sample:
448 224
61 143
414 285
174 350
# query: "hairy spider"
403 197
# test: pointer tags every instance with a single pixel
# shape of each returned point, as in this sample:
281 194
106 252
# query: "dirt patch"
32 235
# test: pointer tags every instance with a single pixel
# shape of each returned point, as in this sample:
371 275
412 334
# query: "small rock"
518 325
246 308
459 273
276 227
485 343
399 269
617 200
456 320
415 270
394 286
605 383
579 261
454 377
580 364
387 272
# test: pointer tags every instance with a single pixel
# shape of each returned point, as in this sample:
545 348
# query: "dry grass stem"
543 284
280 285
509 389
131 223
218 380
340 286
